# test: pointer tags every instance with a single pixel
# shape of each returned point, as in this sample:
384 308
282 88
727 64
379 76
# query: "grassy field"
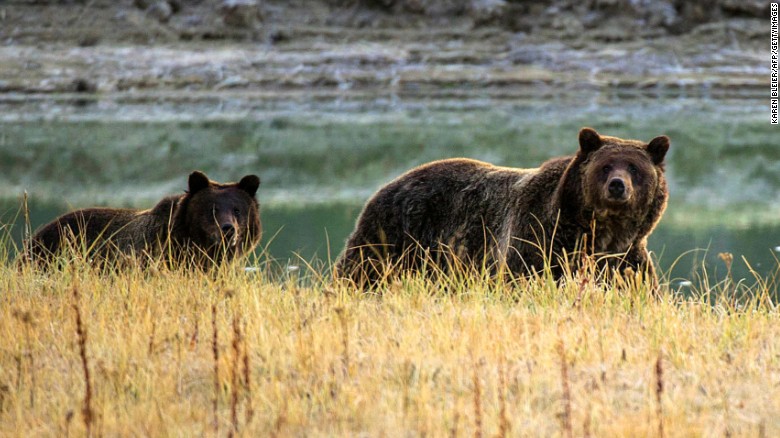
160 353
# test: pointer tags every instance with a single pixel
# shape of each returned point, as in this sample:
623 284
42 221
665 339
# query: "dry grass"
171 353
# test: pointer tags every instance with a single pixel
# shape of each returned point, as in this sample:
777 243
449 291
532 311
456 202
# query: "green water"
319 161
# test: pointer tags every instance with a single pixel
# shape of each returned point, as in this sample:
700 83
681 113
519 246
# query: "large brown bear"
207 225
606 200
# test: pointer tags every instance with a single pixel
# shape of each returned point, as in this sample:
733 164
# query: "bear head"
220 220
621 177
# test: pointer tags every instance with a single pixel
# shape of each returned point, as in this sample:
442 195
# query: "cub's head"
222 220
622 176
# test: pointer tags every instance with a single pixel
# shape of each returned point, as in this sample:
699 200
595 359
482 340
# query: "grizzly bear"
603 201
209 224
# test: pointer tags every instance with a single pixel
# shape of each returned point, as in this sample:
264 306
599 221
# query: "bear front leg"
355 265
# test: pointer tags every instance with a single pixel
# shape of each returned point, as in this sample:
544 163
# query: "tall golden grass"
156 352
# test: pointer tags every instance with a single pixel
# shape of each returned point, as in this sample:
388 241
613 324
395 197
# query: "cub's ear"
657 148
197 182
589 140
249 184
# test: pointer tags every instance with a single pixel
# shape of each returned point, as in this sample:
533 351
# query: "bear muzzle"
227 235
617 188
618 191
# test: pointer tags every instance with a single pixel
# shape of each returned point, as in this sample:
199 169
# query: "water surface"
320 161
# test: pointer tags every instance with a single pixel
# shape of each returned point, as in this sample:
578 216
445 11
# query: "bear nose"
616 188
228 230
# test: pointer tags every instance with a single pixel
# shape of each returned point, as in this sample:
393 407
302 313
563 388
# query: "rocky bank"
177 49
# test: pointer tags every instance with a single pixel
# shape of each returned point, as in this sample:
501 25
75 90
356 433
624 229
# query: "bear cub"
209 224
603 201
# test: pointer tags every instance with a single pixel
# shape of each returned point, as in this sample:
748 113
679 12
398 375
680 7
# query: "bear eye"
237 212
606 169
632 169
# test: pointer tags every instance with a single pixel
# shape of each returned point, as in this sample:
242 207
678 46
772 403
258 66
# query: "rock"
486 11
176 5
142 4
160 11
693 14
413 6
231 82
656 13
278 36
384 4
82 85
240 13
89 38
567 25
193 20
751 8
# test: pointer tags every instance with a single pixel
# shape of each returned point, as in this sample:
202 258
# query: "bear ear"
657 148
249 184
197 182
589 140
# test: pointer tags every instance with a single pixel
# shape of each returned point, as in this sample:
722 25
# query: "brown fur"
485 215
208 224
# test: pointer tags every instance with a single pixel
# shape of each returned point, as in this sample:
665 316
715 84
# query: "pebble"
161 11
239 13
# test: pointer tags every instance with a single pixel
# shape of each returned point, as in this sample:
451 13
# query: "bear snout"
228 230
225 234
616 188
228 234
